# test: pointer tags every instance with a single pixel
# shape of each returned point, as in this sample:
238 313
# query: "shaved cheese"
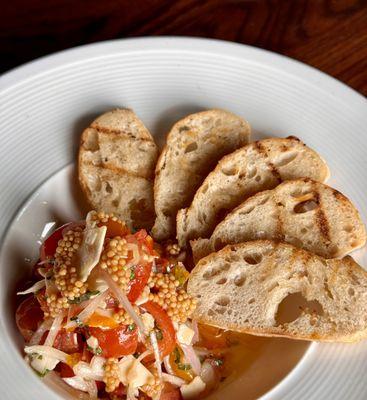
46 351
123 300
90 250
86 371
148 321
34 288
158 362
92 342
54 330
193 389
132 372
185 335
37 336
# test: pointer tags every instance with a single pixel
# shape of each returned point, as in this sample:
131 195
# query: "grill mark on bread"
116 132
320 217
117 170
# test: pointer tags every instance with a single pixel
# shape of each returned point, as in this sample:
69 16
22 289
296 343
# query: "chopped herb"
137 354
131 327
97 351
218 362
158 334
84 297
132 274
184 367
40 357
77 321
43 373
180 365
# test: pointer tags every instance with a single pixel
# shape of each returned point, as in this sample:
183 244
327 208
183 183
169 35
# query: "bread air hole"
230 170
351 292
348 228
210 273
239 280
108 188
285 159
222 301
191 147
252 259
292 307
218 244
305 206
251 172
258 178
221 281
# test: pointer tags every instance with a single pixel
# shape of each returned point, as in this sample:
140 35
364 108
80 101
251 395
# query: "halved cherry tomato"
170 392
64 370
116 342
138 283
49 246
186 374
115 228
28 316
68 342
164 324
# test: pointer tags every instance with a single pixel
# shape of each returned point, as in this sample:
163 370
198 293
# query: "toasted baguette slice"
270 288
117 156
194 146
258 166
302 212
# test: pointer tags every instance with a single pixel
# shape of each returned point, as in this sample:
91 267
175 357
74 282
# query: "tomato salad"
109 316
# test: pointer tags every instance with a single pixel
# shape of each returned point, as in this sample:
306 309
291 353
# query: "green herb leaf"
177 355
97 351
131 327
77 321
158 334
132 273
184 367
218 362
43 373
84 297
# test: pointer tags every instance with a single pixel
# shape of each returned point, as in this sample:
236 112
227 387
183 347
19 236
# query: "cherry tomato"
68 342
138 283
28 316
170 392
115 228
49 246
164 324
116 342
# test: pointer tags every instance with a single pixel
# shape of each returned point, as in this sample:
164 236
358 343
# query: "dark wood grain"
328 34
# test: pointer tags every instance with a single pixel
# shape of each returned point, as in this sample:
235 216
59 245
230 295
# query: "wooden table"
328 34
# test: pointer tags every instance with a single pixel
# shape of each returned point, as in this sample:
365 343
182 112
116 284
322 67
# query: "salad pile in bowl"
108 316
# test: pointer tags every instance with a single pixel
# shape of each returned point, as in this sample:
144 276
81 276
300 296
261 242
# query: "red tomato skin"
116 342
28 317
164 323
136 285
65 342
64 370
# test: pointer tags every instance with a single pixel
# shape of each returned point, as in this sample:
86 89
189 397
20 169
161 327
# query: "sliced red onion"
167 365
88 311
37 336
122 298
34 288
173 379
47 351
54 330
157 356
195 328
192 358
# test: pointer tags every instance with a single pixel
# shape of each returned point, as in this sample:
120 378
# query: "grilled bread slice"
194 146
117 156
302 212
270 288
258 166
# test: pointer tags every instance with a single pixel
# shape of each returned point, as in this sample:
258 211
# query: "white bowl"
46 104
